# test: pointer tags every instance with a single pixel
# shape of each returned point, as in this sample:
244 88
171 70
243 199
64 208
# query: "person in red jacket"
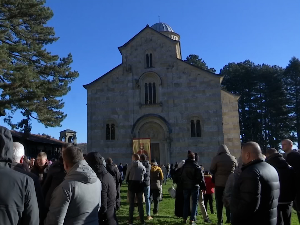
210 189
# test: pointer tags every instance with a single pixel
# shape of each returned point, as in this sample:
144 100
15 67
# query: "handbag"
172 191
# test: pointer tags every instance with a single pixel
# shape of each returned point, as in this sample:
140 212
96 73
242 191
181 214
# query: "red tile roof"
37 138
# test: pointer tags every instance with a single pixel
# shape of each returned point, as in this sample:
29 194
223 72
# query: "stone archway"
157 130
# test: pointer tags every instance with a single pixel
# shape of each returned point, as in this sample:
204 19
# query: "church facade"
154 94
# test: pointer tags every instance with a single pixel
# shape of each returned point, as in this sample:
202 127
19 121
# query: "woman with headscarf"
107 213
179 199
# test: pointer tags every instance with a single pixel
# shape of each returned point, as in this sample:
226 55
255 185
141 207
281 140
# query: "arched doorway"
158 130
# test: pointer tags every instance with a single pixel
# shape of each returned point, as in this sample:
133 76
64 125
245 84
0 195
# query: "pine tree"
264 113
199 62
292 87
32 79
272 105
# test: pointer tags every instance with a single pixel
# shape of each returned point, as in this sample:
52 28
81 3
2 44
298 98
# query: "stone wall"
231 127
184 92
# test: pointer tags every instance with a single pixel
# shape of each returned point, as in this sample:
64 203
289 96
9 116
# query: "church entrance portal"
155 128
156 133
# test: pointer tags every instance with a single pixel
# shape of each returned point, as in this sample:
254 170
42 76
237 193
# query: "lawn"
166 211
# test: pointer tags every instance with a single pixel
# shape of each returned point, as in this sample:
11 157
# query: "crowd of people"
85 189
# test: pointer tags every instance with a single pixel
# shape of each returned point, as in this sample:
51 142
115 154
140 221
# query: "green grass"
166 211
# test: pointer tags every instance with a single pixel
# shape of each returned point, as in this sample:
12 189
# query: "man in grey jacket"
135 177
77 199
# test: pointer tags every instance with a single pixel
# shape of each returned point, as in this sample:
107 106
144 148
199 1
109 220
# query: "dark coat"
192 176
55 177
179 199
147 165
37 171
109 192
293 159
17 194
114 171
38 190
287 177
255 195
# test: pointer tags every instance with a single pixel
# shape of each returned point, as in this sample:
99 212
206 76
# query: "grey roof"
162 27
68 131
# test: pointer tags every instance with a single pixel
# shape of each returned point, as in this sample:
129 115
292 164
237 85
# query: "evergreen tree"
272 106
264 113
199 62
32 79
292 87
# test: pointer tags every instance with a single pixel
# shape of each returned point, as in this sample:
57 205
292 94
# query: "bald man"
255 194
293 159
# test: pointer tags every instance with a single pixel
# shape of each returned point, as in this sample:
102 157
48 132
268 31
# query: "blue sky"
219 31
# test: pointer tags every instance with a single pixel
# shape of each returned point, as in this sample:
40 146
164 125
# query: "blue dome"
162 27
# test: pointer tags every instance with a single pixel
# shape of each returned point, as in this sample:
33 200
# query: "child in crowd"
208 197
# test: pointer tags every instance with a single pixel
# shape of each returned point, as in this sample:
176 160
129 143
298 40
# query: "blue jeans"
147 199
188 193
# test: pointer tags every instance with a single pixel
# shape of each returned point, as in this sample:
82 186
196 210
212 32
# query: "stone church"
154 94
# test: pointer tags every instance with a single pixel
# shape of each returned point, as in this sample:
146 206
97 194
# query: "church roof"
68 131
217 75
147 27
86 85
162 27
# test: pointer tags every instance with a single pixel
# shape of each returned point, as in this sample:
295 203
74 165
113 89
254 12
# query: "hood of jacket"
155 168
97 163
6 146
280 162
82 172
19 166
223 149
238 169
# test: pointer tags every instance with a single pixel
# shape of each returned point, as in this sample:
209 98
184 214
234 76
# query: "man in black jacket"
287 185
293 159
192 180
255 194
114 171
18 165
17 195
107 213
55 176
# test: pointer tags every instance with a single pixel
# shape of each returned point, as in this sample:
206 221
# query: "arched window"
195 128
198 129
107 132
150 89
149 60
154 93
146 93
110 131
150 93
